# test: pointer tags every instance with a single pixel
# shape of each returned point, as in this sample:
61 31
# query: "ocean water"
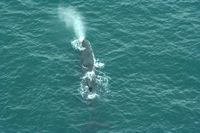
147 61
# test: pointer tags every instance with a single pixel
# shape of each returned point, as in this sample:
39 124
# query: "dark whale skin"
87 59
87 62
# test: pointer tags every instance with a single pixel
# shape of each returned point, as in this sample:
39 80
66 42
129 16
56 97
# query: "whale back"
87 57
87 61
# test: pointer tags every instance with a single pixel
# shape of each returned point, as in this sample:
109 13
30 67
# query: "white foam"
90 75
92 96
98 64
76 44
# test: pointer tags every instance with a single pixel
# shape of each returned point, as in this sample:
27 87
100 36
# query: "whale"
87 64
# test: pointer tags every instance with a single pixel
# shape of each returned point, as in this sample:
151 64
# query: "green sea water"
150 81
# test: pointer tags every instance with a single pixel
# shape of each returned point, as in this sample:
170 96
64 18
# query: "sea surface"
147 61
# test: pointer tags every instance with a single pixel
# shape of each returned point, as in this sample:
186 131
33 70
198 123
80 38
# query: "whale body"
87 61
87 56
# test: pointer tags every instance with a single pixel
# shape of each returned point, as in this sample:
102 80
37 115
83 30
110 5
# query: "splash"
89 75
92 96
74 20
76 44
98 64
